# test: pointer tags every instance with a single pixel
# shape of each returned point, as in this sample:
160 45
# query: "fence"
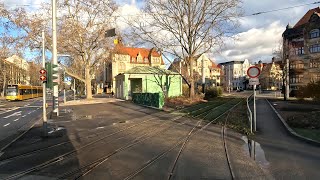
249 112
149 99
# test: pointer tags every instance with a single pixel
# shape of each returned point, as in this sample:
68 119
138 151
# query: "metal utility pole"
287 88
54 59
254 108
203 76
64 87
104 76
74 89
44 99
229 85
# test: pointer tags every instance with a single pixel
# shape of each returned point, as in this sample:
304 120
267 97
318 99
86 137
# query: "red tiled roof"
214 65
307 16
134 52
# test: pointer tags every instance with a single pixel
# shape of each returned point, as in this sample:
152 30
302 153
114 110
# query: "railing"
249 112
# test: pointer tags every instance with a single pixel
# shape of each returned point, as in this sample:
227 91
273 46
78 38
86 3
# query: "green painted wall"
151 84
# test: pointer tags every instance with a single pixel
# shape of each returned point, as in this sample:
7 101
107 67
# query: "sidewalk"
287 157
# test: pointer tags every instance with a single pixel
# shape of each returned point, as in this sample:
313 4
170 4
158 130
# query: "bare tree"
81 33
187 28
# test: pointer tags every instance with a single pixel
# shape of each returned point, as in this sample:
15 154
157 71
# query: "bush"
213 92
312 90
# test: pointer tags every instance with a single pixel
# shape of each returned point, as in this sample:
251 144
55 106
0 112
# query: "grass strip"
309 133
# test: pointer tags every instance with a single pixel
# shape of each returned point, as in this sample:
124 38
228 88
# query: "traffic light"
49 74
43 75
55 75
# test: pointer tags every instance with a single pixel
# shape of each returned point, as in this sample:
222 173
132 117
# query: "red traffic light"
43 71
43 78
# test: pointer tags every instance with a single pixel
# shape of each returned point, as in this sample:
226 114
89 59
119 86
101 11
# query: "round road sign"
253 72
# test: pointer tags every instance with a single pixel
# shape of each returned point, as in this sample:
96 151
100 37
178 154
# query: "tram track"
90 167
183 142
61 157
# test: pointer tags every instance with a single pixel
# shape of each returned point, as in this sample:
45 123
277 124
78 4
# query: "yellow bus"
22 92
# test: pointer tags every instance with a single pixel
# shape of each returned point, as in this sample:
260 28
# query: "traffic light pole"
44 100
54 60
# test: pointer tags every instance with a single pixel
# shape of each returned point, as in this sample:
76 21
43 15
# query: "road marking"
15 108
16 119
29 113
24 115
14 114
6 125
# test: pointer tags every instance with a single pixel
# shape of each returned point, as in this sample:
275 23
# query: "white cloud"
254 44
28 4
125 14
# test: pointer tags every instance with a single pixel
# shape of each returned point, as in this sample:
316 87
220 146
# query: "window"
122 66
145 60
314 64
296 79
299 51
314 48
139 59
315 78
314 33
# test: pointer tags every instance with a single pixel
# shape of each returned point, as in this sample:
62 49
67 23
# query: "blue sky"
257 36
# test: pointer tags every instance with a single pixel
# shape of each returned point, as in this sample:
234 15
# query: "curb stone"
291 131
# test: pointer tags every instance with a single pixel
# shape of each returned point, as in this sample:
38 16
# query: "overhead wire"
144 14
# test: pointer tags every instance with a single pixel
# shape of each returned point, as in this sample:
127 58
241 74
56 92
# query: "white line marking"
6 125
16 119
29 113
18 113
15 108
24 115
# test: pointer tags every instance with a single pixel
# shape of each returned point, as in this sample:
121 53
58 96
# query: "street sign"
66 79
254 81
253 72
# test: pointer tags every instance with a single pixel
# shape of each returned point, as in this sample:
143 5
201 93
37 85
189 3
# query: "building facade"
14 70
235 74
125 58
147 79
202 65
301 45
271 76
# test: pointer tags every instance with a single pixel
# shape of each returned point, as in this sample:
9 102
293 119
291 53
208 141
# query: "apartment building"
202 65
301 45
234 74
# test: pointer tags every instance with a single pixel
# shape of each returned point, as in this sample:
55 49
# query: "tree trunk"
191 90
4 83
88 83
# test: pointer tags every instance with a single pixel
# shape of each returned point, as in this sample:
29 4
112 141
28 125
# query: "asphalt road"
17 114
283 155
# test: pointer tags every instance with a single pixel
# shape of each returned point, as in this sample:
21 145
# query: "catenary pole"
44 101
54 59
